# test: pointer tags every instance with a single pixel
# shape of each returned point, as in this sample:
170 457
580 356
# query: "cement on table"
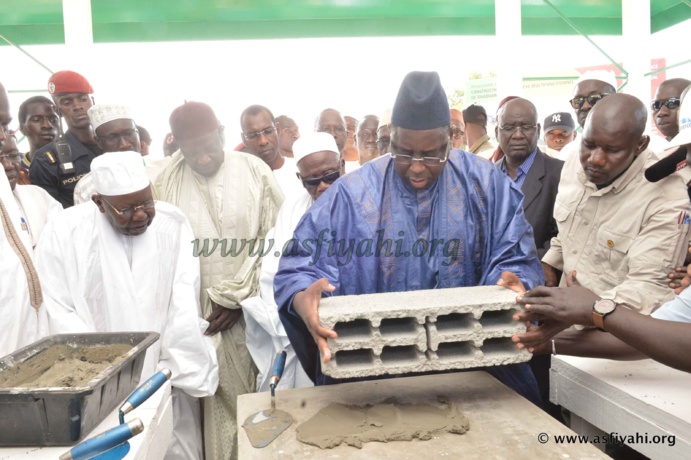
502 423
384 422
63 366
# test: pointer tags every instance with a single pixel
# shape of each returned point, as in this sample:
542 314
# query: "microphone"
668 165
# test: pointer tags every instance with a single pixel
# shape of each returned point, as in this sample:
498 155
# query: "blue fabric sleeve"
510 245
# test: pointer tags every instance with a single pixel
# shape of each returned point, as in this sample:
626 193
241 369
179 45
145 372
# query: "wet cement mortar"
63 366
387 421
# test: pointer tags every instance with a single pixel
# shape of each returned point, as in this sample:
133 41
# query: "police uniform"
45 169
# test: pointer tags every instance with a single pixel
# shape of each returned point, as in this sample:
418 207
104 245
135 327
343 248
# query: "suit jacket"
539 193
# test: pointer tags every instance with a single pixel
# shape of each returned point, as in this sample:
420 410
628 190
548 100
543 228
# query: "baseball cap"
559 120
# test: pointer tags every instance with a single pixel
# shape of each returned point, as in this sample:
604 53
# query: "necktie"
35 293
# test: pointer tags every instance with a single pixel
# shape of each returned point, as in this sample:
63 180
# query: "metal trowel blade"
265 426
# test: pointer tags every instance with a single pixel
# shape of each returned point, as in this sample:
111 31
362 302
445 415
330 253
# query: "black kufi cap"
421 103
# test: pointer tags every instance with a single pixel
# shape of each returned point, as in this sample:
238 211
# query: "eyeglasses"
525 129
331 129
10 158
114 139
384 142
127 213
329 178
409 159
577 102
366 134
671 103
253 136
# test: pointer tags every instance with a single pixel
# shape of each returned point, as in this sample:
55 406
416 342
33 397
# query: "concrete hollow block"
421 331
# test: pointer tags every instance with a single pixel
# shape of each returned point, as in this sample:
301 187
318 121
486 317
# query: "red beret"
67 81
191 120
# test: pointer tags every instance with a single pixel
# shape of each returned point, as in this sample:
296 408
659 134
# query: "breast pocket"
611 254
561 215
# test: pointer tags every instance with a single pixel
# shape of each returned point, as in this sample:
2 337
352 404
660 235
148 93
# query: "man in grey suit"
537 175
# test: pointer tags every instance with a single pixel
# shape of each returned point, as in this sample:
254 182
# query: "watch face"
604 306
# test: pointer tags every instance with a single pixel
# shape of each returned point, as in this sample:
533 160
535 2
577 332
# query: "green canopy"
41 22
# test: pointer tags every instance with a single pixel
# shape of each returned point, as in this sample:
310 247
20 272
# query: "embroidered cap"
103 113
421 103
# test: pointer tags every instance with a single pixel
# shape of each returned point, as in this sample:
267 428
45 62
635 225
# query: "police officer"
58 171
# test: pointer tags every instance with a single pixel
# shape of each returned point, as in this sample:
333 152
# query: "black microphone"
668 165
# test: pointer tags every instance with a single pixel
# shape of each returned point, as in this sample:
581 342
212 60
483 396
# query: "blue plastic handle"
146 389
278 367
104 441
116 453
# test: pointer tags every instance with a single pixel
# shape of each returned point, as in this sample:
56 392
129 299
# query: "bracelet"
554 348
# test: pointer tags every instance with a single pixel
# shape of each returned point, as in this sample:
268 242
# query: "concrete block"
421 331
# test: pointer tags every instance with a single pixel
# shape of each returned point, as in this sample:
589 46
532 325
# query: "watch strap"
599 320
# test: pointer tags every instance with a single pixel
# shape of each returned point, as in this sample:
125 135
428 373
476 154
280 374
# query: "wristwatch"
602 308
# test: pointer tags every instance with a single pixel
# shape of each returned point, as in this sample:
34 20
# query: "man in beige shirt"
620 233
475 119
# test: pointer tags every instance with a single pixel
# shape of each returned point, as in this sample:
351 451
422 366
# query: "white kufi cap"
103 113
604 76
313 142
119 173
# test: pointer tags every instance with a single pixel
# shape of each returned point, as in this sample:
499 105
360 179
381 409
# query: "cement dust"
384 422
63 366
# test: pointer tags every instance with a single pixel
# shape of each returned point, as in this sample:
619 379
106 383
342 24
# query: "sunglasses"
671 103
577 102
327 179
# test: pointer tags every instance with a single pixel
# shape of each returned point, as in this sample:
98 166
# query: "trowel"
113 444
265 426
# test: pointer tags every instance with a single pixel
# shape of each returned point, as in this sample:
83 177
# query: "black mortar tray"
61 416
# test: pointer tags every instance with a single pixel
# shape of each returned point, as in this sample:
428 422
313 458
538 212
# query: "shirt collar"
528 162
478 143
524 167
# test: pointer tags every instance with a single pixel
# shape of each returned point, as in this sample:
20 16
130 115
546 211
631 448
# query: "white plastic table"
629 398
